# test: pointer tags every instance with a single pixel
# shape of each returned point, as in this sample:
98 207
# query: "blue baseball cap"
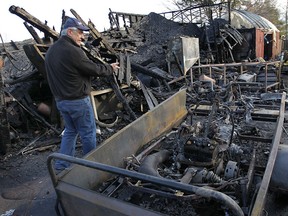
72 22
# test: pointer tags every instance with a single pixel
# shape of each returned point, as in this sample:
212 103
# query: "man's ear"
69 32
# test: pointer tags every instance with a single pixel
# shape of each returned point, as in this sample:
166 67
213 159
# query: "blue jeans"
79 119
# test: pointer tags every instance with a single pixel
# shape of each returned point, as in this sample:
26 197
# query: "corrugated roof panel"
253 20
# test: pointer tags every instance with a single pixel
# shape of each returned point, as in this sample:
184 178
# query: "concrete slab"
32 198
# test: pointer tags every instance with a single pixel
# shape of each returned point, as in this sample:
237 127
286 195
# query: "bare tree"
265 8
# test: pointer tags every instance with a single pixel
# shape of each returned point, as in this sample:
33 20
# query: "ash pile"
155 32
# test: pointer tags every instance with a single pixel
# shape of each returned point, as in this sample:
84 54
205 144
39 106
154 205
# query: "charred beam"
94 32
33 33
121 98
156 74
14 45
151 100
34 21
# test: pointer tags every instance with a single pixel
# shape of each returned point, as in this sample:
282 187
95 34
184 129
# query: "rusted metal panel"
259 43
184 51
84 202
125 142
131 138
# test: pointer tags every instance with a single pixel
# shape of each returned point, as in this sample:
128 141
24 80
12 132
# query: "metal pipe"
204 192
236 64
151 162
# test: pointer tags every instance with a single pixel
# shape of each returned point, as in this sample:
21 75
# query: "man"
69 73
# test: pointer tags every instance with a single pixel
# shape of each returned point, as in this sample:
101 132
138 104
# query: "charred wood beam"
128 70
251 171
121 72
121 98
33 33
255 138
133 18
34 21
113 20
155 74
208 45
166 84
151 100
8 54
94 32
14 45
28 147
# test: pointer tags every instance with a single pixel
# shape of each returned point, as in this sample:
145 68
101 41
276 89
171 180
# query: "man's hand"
115 67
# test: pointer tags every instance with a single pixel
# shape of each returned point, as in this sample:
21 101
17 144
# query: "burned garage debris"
194 114
216 156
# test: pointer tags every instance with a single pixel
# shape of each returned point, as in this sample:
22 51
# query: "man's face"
76 34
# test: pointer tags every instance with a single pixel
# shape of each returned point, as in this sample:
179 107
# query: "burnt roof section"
256 20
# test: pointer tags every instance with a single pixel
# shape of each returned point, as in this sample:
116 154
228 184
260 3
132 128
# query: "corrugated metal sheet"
254 19
250 20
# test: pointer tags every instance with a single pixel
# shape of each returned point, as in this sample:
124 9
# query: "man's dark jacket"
69 70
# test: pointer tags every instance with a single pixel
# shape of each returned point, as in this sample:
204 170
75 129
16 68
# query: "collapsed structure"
232 106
